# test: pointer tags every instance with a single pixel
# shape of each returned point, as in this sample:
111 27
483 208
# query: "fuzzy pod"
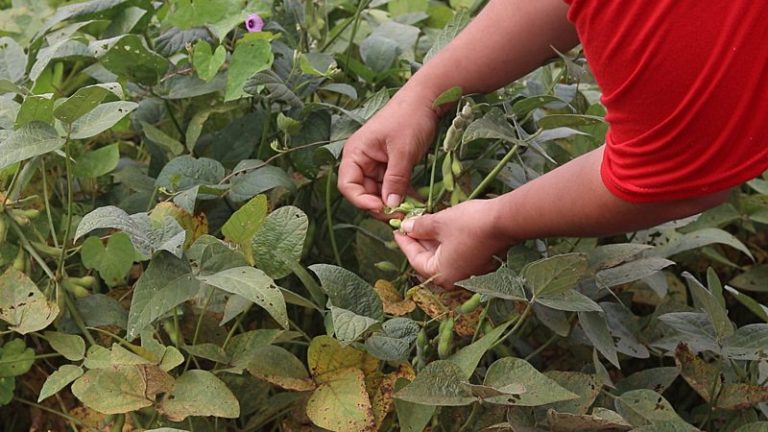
445 338
470 305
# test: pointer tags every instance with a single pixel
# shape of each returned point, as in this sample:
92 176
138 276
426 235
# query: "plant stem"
329 217
76 317
68 417
518 324
494 172
48 204
37 357
317 294
70 199
471 418
431 197
197 327
30 249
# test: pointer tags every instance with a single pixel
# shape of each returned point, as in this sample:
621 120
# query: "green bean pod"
445 338
470 305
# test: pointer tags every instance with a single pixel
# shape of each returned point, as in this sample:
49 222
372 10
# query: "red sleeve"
684 84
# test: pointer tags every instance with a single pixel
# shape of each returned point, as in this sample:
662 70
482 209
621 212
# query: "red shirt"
685 86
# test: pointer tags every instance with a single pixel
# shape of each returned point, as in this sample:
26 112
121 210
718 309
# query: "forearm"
507 40
573 201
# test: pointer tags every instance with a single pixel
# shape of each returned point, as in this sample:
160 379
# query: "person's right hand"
377 160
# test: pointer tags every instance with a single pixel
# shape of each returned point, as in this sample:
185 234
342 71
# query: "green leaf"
171 359
254 285
250 56
206 62
33 139
755 279
468 357
13 61
440 384
167 283
99 162
71 346
705 300
157 136
540 390
199 393
59 379
646 407
449 32
595 326
555 274
277 90
586 386
185 172
754 427
341 403
379 52
128 57
493 125
246 221
503 283
242 347
22 305
257 180
698 239
569 120
349 326
278 366
394 343
750 303
573 301
113 262
278 244
84 100
748 343
121 389
35 108
7 388
100 119
114 217
694 328
347 291
657 379
631 271
15 358
600 419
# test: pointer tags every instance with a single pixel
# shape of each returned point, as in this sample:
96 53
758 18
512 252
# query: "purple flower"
254 23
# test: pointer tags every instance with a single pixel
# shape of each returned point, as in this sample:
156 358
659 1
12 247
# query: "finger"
397 178
352 184
421 257
424 227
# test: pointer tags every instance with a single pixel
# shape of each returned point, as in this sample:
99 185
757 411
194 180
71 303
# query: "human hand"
377 160
454 244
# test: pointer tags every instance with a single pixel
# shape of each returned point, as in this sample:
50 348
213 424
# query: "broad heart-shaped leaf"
631 271
22 305
349 326
503 283
326 356
439 383
693 328
459 20
100 119
167 283
199 393
85 99
595 326
697 239
646 407
278 244
257 180
185 172
59 379
276 89
32 139
586 386
117 218
127 57
705 300
278 366
341 403
250 56
573 301
348 291
207 63
242 347
99 162
540 390
748 343
555 274
468 357
394 343
35 108
656 379
254 285
71 346
15 358
163 140
121 389
246 221
113 261
379 52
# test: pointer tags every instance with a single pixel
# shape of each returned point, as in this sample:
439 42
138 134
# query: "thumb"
397 178
421 227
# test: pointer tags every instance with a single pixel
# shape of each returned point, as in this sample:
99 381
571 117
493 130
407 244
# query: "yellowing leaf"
121 389
393 302
22 305
326 356
340 403
200 393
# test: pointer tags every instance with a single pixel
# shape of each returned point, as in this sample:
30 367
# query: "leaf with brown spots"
22 305
394 304
438 303
327 356
700 375
382 389
341 404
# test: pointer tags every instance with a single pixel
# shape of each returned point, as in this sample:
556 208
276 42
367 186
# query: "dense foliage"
174 252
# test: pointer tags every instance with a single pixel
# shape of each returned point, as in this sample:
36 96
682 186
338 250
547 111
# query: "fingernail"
407 225
393 200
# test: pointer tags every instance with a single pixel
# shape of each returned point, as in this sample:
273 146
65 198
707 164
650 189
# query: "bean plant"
174 253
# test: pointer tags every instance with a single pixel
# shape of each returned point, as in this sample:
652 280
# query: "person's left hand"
453 244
